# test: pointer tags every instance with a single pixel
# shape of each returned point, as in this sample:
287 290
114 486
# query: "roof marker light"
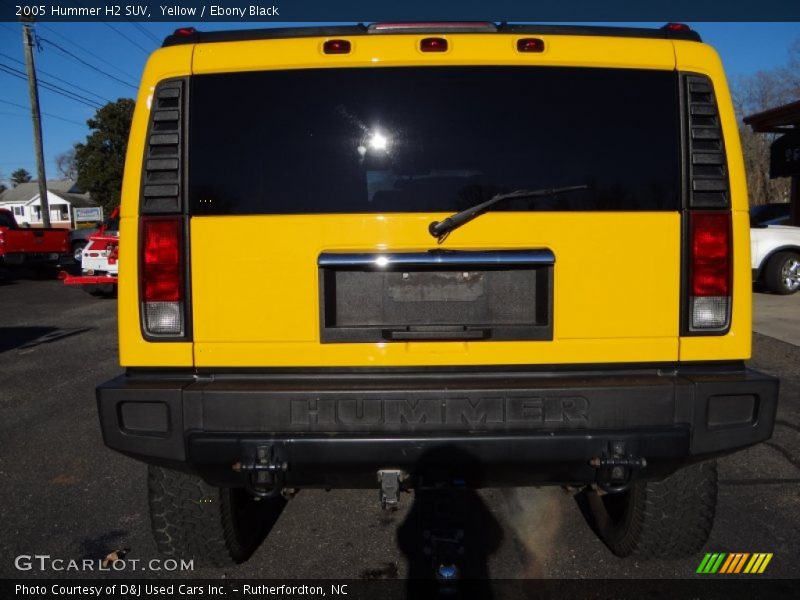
530 45
184 31
433 44
336 47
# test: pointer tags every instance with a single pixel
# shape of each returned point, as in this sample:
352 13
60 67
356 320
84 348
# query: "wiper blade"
440 229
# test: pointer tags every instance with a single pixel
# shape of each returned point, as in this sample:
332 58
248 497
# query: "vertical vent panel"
162 178
708 172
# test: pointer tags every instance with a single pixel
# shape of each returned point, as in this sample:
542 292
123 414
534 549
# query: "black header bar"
185 12
200 37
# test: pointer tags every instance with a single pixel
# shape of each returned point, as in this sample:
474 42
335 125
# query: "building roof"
25 192
776 120
75 200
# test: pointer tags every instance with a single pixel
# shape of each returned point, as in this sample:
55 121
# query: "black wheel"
782 273
214 526
77 251
664 519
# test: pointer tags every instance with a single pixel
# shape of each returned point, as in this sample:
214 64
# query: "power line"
87 51
54 87
10 114
120 33
44 113
59 79
146 33
51 87
80 60
140 47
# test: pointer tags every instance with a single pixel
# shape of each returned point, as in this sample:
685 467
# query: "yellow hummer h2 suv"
518 254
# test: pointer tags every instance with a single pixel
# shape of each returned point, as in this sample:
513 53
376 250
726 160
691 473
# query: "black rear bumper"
496 428
35 259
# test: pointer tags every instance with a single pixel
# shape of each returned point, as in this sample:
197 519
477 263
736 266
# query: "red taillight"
336 47
184 31
433 44
161 276
710 271
161 267
711 249
530 45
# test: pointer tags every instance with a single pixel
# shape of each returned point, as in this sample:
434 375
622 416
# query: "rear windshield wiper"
441 229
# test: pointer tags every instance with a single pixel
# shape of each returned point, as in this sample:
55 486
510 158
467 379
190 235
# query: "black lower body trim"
545 458
513 428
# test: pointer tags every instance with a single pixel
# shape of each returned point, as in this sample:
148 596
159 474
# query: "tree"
66 165
20 176
100 160
756 93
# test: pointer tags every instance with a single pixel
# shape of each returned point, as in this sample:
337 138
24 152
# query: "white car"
775 257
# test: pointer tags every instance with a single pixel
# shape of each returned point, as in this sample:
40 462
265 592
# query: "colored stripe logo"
733 563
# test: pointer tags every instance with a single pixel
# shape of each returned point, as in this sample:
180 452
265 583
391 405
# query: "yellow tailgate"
256 300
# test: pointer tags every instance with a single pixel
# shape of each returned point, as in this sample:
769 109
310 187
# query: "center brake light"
710 270
434 27
161 276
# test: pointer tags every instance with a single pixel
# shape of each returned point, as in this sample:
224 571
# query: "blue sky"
120 50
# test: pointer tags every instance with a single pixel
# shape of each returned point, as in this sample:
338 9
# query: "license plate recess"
497 295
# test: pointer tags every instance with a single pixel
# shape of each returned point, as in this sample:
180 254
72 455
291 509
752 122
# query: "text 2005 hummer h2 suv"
351 255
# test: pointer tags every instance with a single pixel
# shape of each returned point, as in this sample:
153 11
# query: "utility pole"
33 91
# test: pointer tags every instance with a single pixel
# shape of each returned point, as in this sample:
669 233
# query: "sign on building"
88 213
785 156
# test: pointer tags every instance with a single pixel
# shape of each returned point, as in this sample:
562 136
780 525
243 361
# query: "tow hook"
615 469
266 471
390 480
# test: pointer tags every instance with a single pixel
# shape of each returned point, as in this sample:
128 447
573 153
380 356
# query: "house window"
18 211
37 213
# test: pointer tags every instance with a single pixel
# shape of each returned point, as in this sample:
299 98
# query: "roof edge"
193 36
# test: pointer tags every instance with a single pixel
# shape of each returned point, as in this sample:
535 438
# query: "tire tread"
190 519
672 518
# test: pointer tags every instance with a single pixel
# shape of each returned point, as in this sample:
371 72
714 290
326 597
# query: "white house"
62 196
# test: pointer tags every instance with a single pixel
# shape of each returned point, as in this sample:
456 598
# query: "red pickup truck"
30 246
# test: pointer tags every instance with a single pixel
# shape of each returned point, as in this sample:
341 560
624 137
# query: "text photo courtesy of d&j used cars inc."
377 300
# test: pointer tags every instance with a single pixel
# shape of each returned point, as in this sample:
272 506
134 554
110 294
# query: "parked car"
78 238
774 213
30 246
405 255
774 250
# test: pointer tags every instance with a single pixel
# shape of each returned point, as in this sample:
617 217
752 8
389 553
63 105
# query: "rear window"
432 139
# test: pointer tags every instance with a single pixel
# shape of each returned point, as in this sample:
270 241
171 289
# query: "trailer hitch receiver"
615 468
266 469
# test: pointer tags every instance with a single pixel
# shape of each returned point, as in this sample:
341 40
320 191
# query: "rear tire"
77 252
663 519
217 527
782 273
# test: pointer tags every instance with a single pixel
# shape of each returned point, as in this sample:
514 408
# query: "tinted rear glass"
432 139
